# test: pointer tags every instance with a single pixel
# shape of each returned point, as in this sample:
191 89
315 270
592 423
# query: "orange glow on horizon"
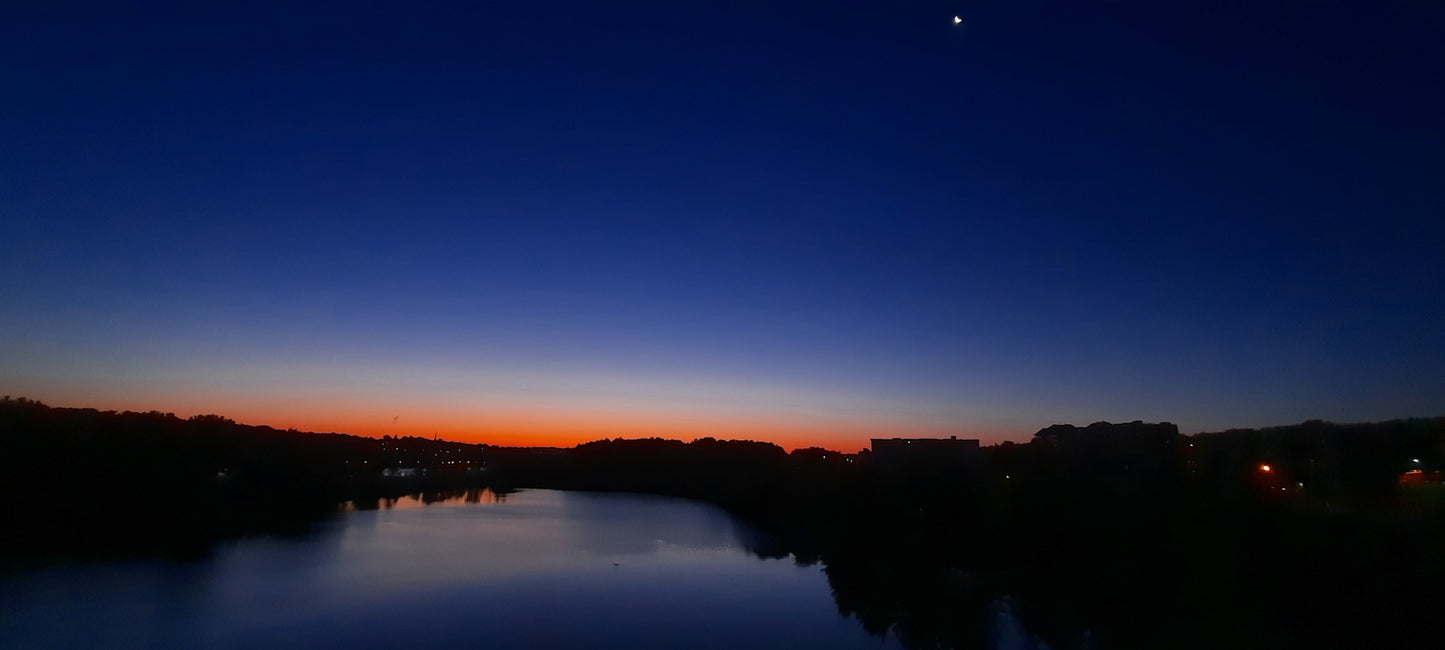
558 430
543 426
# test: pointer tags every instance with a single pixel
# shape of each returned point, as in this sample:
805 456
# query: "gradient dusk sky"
536 222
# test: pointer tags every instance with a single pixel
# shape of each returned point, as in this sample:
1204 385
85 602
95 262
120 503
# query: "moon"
957 20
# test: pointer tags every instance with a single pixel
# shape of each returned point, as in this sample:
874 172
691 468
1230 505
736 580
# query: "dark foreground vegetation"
158 484
1110 536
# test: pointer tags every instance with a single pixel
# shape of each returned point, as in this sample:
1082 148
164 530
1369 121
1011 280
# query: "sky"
546 222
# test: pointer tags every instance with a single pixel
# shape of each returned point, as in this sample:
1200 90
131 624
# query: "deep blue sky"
820 214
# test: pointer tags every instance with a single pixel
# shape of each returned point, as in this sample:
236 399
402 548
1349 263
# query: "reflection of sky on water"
540 569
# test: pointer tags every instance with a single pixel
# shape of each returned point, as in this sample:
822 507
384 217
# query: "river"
530 569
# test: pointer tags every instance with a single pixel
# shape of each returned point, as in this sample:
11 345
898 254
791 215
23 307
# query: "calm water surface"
536 569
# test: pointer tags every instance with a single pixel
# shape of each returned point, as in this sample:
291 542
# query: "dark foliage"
1111 535
159 484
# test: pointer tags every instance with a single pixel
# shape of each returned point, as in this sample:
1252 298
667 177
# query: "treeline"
739 475
107 482
1122 535
1343 463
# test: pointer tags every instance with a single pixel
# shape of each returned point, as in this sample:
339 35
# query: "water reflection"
472 496
1009 634
534 568
528 569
